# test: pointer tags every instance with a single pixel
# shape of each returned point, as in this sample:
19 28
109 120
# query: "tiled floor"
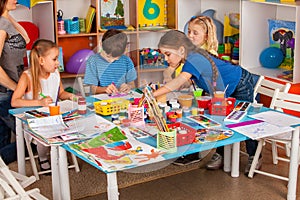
203 184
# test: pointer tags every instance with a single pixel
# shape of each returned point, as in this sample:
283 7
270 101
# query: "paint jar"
81 106
186 111
185 100
194 111
203 101
201 111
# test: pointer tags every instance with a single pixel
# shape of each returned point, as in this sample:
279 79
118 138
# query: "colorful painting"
282 35
118 155
152 13
112 14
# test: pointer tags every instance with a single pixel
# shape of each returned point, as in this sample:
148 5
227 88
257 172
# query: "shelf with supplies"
257 27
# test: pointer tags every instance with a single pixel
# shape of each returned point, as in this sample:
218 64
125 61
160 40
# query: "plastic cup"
54 110
198 93
203 101
256 107
219 94
185 100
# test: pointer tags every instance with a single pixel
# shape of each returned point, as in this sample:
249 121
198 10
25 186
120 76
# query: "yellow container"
111 106
167 141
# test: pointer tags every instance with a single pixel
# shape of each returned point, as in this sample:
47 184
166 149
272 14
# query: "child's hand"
46 101
125 88
111 89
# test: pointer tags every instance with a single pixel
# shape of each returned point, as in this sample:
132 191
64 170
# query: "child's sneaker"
250 160
186 160
216 162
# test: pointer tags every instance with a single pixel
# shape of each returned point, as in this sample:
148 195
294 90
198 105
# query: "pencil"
193 85
57 96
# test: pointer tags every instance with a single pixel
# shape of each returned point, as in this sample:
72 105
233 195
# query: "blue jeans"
244 92
8 150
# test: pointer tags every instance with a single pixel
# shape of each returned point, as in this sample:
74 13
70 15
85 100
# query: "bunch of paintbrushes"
154 110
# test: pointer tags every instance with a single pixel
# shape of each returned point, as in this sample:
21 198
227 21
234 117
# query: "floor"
205 184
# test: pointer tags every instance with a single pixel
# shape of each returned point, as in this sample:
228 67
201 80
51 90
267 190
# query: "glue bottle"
81 106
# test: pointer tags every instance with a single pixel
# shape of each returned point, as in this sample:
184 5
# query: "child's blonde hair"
39 48
209 27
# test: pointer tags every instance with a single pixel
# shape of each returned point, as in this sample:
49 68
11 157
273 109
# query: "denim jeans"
244 92
8 150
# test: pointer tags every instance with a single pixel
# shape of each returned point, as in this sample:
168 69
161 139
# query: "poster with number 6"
152 13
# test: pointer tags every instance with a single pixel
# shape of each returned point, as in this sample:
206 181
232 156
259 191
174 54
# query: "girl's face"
172 56
11 5
50 62
197 34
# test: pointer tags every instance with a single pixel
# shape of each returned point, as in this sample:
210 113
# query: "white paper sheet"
277 118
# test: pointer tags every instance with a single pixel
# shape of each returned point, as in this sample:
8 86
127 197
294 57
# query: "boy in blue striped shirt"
110 71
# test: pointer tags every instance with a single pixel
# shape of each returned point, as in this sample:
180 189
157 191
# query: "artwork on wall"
153 13
112 14
282 35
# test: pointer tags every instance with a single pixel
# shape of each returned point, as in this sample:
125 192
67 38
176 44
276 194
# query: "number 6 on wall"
154 13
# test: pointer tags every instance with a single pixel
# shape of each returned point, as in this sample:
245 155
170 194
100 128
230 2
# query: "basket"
72 26
221 106
167 141
111 106
185 134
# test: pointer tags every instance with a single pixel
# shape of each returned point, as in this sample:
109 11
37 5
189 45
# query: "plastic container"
185 100
110 106
204 101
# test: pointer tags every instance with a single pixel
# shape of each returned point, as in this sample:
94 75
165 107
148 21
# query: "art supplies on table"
235 116
204 121
242 106
66 107
212 135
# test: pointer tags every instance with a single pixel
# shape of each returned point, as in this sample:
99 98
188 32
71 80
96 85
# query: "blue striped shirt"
102 73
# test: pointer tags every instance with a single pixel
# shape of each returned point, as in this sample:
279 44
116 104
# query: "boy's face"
197 34
172 56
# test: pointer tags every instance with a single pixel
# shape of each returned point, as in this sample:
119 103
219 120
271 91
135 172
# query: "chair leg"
256 157
75 163
31 158
274 153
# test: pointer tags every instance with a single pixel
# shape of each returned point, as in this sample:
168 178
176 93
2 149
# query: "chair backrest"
282 100
267 87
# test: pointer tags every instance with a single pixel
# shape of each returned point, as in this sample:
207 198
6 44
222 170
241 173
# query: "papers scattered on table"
49 127
277 118
256 129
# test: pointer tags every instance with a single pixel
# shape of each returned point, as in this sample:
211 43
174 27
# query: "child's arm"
126 87
18 100
63 95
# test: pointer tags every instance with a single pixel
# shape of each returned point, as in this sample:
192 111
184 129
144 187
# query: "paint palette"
235 116
242 106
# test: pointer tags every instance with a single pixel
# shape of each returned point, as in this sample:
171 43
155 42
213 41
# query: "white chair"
32 158
12 185
280 100
267 87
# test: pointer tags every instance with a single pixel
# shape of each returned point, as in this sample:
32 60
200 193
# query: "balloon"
76 63
271 57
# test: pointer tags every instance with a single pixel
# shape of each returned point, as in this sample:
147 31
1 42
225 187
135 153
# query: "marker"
42 95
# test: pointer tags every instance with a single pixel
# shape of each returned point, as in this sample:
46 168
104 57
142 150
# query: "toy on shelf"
72 25
152 58
77 62
60 23
271 57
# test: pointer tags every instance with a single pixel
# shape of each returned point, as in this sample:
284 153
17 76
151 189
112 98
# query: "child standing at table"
203 33
38 86
209 73
110 71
